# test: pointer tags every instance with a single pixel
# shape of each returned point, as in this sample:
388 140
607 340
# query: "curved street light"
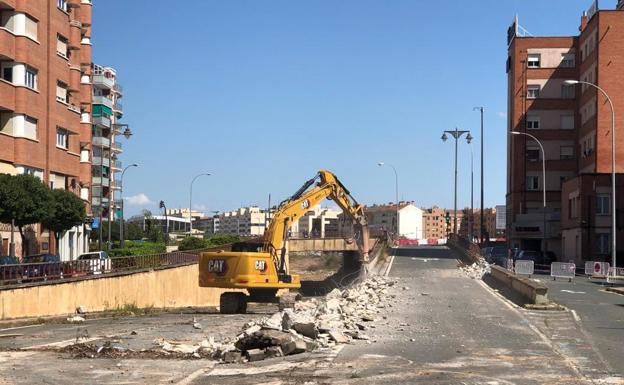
613 210
191 201
456 135
396 190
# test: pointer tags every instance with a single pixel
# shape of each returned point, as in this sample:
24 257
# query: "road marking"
389 266
573 292
425 259
21 327
576 316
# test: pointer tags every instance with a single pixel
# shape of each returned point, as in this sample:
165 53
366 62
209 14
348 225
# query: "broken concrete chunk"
287 322
255 355
232 357
76 319
307 329
251 330
81 309
273 351
338 337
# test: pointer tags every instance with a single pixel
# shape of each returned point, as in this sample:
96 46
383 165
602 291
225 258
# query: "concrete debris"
196 325
76 319
317 323
81 309
477 270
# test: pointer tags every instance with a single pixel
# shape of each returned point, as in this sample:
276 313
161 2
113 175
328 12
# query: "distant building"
209 225
489 216
184 213
317 223
383 218
172 224
246 221
434 223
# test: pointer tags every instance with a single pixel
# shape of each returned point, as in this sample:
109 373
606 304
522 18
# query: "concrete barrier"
162 288
520 289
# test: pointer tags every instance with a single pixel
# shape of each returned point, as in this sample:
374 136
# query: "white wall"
72 244
411 222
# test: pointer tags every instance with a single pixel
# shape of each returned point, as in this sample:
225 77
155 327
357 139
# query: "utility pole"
456 134
481 225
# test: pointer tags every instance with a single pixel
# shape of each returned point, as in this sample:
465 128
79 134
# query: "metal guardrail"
57 271
562 270
524 267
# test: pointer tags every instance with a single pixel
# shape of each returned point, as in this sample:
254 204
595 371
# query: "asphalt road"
600 312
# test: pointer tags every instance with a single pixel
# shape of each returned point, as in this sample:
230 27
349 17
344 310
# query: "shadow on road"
441 252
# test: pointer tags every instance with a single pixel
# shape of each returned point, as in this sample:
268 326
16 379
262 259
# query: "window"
562 179
7 71
533 122
30 78
62 138
603 202
533 154
603 243
533 91
61 46
6 123
31 28
567 122
567 60
532 183
567 91
62 4
566 152
61 92
30 127
533 61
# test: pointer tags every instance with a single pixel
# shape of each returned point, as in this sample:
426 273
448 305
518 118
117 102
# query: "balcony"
118 89
102 121
101 81
117 184
116 165
118 107
101 141
102 99
100 181
96 201
99 161
117 147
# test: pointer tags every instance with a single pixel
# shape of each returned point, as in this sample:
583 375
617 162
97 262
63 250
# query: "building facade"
246 222
45 130
434 223
573 123
382 218
317 223
106 145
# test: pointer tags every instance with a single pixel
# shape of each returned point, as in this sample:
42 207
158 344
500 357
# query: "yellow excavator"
260 267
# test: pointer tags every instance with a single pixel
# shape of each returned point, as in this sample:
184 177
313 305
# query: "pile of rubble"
338 318
477 270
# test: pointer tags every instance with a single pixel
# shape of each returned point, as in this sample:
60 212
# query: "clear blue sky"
264 93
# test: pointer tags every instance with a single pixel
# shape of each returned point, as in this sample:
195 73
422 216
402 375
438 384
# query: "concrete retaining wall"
164 288
522 289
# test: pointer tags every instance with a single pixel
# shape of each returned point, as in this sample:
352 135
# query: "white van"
99 262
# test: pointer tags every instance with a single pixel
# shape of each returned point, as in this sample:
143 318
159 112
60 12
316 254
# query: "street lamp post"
456 134
164 208
191 202
396 191
121 217
543 184
471 193
481 226
613 209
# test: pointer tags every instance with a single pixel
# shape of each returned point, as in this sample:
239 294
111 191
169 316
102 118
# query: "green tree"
66 211
222 239
192 243
24 199
134 231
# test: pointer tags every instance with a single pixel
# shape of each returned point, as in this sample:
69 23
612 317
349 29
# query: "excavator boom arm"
299 203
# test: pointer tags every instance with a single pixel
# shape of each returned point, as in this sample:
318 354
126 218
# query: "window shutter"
31 28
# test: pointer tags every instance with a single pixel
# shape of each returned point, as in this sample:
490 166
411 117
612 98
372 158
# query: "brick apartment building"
434 224
574 125
489 217
45 130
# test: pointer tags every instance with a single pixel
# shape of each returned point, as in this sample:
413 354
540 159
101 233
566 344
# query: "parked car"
485 251
498 256
97 262
10 270
42 266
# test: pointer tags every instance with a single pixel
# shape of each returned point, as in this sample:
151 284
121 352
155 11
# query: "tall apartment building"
45 130
434 223
106 146
246 221
574 125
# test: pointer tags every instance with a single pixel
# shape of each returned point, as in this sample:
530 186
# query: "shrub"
222 239
192 243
